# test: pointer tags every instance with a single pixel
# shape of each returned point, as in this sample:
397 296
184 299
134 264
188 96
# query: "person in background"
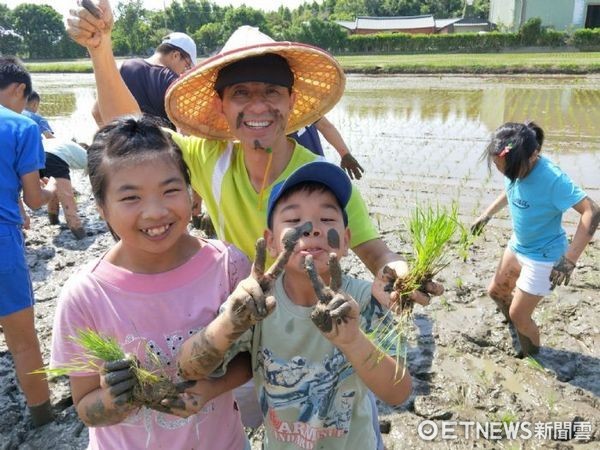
21 158
61 157
148 79
539 256
309 138
31 110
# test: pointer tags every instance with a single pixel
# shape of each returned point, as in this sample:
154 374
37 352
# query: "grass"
566 62
476 63
534 364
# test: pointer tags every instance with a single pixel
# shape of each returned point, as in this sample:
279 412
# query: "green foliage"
324 34
531 31
41 27
587 39
209 37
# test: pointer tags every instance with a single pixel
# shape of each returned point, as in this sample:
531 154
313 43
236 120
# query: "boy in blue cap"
312 362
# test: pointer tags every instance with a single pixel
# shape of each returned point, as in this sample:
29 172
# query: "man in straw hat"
238 107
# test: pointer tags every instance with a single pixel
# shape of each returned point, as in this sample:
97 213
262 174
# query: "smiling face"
329 234
147 204
257 111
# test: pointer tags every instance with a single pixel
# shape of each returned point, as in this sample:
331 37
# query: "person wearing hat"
148 79
313 364
237 108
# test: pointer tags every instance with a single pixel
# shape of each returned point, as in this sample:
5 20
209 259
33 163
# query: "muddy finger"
290 239
123 389
433 288
258 268
316 280
116 377
420 297
335 270
92 8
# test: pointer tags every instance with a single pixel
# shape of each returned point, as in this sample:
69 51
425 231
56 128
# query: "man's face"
178 62
257 112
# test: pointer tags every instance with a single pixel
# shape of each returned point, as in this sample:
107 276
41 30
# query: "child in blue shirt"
21 158
538 257
31 110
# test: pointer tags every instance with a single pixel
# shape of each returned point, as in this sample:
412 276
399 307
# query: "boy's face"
257 111
33 105
328 235
13 97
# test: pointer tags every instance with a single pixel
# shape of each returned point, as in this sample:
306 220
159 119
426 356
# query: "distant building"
425 24
557 14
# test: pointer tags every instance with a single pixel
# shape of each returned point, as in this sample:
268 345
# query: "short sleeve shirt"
22 153
238 212
537 203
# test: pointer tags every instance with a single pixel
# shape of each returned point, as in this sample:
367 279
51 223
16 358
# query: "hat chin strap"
261 194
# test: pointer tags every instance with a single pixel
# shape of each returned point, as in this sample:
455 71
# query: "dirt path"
461 355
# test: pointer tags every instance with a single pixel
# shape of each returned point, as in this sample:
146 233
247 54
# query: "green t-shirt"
238 212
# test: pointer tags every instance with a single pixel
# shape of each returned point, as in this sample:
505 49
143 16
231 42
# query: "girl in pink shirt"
153 289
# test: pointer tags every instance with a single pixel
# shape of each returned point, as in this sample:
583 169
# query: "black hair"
268 68
13 71
33 96
516 143
165 49
309 187
124 140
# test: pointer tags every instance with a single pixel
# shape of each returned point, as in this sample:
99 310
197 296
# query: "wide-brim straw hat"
318 83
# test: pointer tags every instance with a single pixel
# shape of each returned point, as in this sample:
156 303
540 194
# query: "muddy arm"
94 33
498 204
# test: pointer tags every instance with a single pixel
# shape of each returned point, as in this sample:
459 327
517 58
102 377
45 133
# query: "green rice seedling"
152 385
534 364
431 231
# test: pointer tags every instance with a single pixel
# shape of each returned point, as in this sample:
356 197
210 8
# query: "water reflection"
418 137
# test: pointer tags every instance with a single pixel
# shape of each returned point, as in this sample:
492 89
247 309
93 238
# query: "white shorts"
535 276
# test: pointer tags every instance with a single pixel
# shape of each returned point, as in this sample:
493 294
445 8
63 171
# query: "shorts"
535 276
16 292
55 167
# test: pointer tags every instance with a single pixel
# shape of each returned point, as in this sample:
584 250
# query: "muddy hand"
561 272
333 304
119 379
87 24
351 166
289 241
478 226
187 402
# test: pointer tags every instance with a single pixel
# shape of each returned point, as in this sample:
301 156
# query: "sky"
63 6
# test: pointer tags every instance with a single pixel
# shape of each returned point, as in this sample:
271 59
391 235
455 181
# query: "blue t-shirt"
308 137
537 203
22 153
41 122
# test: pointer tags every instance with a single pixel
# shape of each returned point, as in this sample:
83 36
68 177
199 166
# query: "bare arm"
389 381
114 98
375 254
34 195
332 135
96 114
588 224
494 207
95 406
337 316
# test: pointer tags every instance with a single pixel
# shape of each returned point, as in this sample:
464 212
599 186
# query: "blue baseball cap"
328 174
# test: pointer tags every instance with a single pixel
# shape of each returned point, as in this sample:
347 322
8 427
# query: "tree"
209 38
244 15
132 31
41 27
6 17
321 33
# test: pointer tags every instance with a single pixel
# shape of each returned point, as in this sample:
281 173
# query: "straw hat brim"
319 83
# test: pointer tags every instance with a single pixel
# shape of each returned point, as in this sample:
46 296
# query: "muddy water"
408 131
419 139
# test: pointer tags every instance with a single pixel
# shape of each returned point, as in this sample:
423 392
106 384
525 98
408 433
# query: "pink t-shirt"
155 311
